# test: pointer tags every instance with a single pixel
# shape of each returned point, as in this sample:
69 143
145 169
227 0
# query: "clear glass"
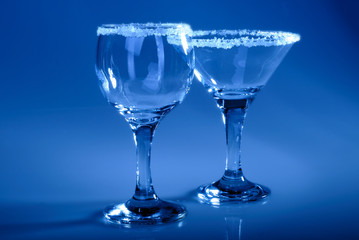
145 70
234 66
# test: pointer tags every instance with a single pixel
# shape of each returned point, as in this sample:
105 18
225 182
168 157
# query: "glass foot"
224 191
144 212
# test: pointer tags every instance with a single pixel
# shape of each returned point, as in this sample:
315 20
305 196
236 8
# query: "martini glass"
145 70
234 66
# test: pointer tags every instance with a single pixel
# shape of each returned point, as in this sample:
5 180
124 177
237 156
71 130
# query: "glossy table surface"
269 220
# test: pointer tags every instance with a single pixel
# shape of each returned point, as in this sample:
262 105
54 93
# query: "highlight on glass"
234 65
144 71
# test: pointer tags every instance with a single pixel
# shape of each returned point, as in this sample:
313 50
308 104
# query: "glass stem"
233 120
143 135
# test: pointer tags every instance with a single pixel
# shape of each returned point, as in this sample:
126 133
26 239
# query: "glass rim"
144 29
242 37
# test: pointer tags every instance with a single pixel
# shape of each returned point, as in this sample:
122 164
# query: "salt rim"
144 29
246 38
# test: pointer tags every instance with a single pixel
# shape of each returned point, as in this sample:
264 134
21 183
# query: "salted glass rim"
242 37
144 29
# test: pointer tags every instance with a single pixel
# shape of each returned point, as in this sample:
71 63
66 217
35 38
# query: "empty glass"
145 70
234 66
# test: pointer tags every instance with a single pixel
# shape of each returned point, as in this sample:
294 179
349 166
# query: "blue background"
64 153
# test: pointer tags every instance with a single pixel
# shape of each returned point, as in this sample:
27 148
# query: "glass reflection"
233 227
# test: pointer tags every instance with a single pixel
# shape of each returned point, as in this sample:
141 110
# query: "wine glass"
234 65
145 70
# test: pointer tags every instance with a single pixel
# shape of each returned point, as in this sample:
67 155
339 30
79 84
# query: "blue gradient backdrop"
61 143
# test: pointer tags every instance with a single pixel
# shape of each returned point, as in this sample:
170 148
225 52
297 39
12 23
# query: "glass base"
144 212
238 191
